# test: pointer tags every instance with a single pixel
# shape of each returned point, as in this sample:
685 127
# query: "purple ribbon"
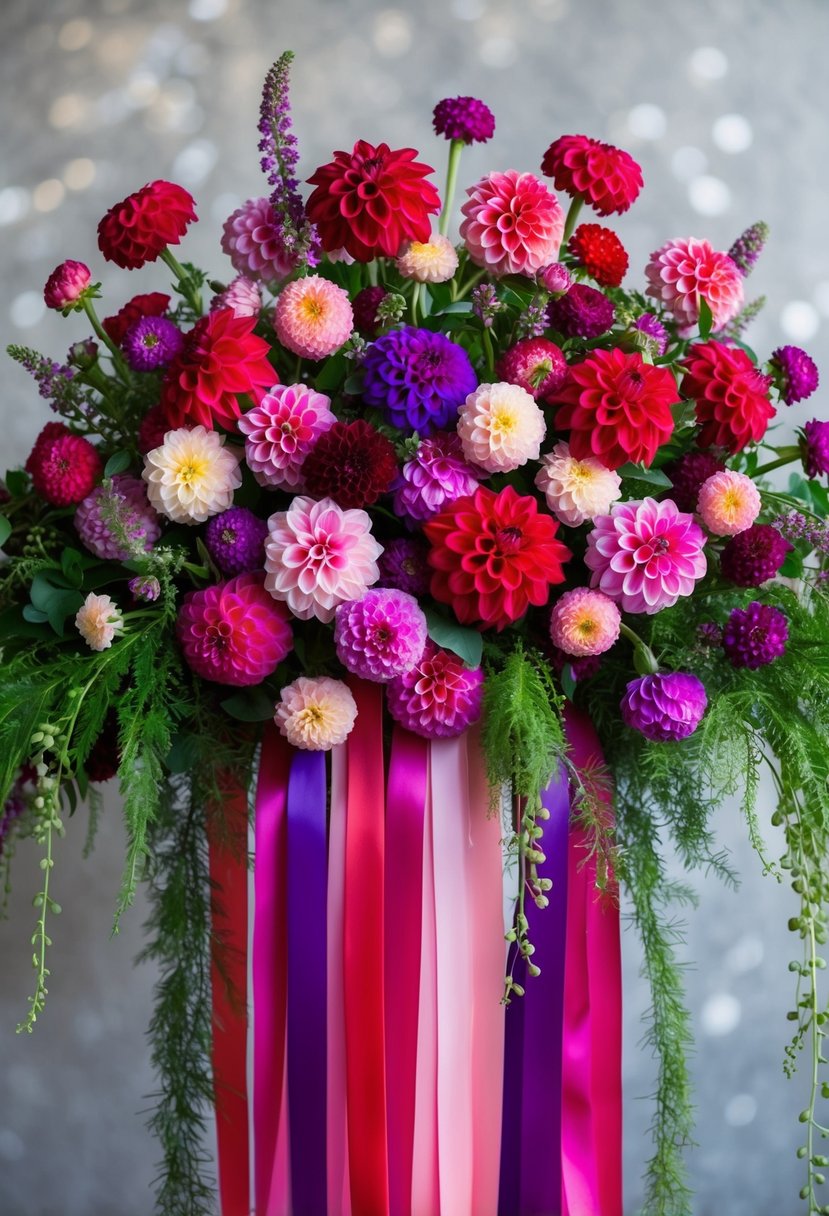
307 988
531 1145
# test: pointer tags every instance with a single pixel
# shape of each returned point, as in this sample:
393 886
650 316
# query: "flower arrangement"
487 477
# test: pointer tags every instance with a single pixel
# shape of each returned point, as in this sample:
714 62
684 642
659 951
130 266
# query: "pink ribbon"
339 1198
425 1171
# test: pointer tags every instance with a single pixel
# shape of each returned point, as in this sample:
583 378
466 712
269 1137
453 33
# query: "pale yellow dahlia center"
582 473
312 308
311 716
191 470
504 421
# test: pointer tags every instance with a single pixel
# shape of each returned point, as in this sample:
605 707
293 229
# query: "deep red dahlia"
351 463
603 176
104 757
371 200
730 394
153 304
493 555
63 467
154 426
221 358
600 252
136 230
617 408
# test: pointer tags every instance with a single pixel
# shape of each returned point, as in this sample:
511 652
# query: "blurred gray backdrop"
724 103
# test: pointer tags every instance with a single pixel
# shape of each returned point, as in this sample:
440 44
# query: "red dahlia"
603 176
351 463
153 304
370 201
221 358
136 230
600 252
617 408
493 555
63 467
730 394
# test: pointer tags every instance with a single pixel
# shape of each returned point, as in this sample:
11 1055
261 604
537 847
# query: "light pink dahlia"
686 270
233 632
280 432
576 490
645 555
380 636
315 714
98 620
253 242
728 503
313 317
242 297
318 556
513 224
500 427
584 622
432 261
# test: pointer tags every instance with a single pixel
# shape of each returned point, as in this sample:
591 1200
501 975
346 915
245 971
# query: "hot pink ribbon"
425 1180
339 1198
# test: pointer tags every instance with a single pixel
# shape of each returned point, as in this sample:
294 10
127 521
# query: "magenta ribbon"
531 1139
405 806
307 986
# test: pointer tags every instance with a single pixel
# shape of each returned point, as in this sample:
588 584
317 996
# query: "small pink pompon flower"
432 261
280 432
313 317
315 714
728 503
253 242
66 286
687 270
584 622
98 620
500 427
513 224
242 297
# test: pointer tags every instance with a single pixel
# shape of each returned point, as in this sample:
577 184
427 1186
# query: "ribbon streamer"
227 832
307 967
339 1195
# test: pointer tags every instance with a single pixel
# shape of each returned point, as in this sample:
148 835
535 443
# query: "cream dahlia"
576 490
315 714
432 261
500 427
98 620
192 475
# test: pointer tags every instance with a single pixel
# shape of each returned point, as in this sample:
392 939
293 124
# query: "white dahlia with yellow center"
192 475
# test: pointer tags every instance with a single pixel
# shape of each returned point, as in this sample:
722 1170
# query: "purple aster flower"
754 556
436 475
403 565
152 342
651 333
235 539
755 636
419 379
687 475
380 636
795 373
145 587
440 698
583 312
665 706
555 278
816 448
747 248
532 321
278 146
116 521
364 306
464 118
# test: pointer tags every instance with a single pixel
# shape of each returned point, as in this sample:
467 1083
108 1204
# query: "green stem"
372 274
455 149
103 336
416 290
473 282
572 216
490 353
190 292
644 659
787 455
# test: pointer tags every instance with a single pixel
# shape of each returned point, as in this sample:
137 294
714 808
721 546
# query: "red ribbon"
227 831
363 956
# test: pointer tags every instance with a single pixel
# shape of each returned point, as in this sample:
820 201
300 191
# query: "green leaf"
459 306
638 472
17 482
467 644
72 567
706 319
331 374
117 463
252 705
183 754
63 604
354 384
568 681
5 530
793 565
44 587
34 615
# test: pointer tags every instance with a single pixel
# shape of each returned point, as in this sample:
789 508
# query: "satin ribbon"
363 955
339 1197
425 1180
592 1057
227 841
307 967
269 970
406 803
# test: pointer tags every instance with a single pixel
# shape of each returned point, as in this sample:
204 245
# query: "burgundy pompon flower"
755 636
582 312
754 555
795 373
351 463
464 118
364 306
815 448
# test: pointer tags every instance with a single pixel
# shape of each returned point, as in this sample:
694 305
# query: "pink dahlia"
233 632
315 714
584 622
439 698
242 297
730 395
313 317
728 503
115 520
500 427
437 474
253 242
687 270
604 177
513 224
280 432
380 636
318 556
645 555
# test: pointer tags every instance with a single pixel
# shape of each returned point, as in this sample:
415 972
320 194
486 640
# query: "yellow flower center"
581 472
312 715
313 309
503 421
586 627
732 501
191 469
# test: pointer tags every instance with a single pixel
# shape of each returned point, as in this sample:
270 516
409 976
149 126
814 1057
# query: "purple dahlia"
665 706
380 636
753 556
816 448
795 373
419 379
436 475
403 565
152 342
235 539
755 636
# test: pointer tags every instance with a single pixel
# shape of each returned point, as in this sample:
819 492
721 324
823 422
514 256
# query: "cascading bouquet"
491 480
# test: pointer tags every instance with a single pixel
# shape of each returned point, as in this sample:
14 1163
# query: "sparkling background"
723 102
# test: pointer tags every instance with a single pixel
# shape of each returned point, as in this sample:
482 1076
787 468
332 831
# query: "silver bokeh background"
724 103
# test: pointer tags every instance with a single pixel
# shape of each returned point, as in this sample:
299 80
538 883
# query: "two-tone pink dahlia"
318 556
252 240
242 297
604 177
512 223
687 270
280 432
233 633
645 555
313 317
381 635
439 698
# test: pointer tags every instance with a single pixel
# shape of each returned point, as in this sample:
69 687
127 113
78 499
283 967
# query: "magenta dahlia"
665 706
380 636
604 177
755 635
234 632
439 698
437 474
